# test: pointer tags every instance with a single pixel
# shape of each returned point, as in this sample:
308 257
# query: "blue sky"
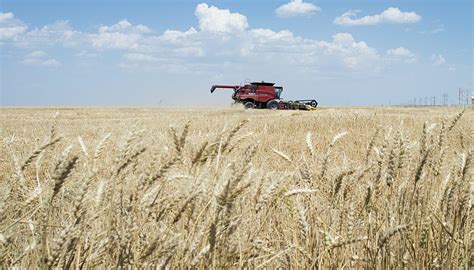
145 53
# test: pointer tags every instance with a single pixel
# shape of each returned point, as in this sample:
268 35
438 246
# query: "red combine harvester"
265 95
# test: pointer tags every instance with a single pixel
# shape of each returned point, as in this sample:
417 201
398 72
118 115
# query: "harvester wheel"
249 105
272 104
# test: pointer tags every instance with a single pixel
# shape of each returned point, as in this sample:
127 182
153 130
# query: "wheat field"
339 188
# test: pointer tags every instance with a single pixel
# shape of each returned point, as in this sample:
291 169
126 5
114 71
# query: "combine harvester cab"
265 95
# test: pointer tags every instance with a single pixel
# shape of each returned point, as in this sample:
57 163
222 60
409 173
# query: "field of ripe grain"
227 188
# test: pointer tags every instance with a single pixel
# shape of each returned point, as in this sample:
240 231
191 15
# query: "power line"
464 99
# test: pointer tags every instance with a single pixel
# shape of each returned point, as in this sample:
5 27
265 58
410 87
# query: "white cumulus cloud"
356 55
222 37
174 36
59 32
140 57
268 36
343 51
215 20
390 15
296 8
36 54
402 53
10 27
122 35
115 40
51 63
125 26
438 59
40 58
86 54
438 29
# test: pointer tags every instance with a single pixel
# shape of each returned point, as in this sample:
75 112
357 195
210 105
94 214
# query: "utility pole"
459 95
468 96
463 97
445 99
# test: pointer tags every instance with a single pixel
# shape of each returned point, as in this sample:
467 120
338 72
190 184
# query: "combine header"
265 95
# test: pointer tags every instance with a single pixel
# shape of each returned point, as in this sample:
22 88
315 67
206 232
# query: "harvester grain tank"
265 95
